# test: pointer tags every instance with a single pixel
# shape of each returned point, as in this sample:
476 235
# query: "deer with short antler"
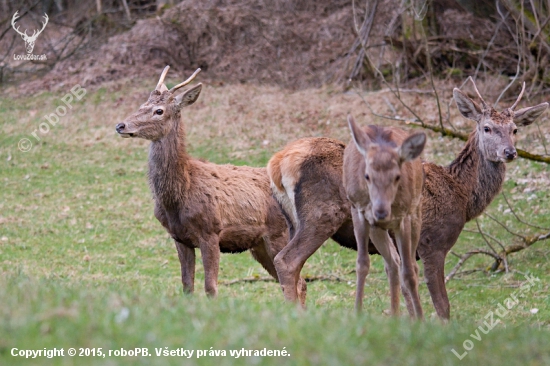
205 206
29 40
306 178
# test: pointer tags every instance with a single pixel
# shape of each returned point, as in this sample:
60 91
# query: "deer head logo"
29 40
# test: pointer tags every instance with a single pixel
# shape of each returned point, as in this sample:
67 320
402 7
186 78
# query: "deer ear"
412 147
467 107
526 116
189 96
359 136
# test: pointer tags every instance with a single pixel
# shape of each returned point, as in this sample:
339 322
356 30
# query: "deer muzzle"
380 214
510 153
121 130
381 211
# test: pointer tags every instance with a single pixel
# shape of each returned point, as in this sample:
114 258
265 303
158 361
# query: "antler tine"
44 23
162 76
519 98
13 20
190 79
477 92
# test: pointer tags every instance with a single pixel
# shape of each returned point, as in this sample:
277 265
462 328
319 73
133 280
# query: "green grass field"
85 264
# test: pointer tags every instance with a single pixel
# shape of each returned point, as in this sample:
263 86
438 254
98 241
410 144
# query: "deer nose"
120 127
380 214
510 153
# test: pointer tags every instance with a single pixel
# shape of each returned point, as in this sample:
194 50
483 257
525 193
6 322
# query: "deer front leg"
409 269
416 223
361 231
382 241
186 256
416 228
210 251
434 273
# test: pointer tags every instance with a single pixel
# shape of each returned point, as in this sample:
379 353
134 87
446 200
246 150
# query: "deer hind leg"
290 260
264 256
409 268
210 251
186 256
384 245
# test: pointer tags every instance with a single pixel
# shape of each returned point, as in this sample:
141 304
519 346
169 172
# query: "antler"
162 76
484 104
35 32
190 79
519 98
13 19
160 84
43 26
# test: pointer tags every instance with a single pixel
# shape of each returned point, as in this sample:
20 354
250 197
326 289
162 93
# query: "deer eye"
159 112
397 178
515 131
367 177
486 129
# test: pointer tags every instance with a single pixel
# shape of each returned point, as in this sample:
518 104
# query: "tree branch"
331 278
527 242
467 256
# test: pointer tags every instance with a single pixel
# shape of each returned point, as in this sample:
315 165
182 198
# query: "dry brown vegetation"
294 44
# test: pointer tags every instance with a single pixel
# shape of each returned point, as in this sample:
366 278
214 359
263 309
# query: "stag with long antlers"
29 40
215 208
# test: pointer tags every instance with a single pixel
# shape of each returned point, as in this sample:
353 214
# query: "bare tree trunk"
98 4
126 10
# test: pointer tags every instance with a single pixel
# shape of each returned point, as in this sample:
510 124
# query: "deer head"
497 130
29 40
383 162
156 117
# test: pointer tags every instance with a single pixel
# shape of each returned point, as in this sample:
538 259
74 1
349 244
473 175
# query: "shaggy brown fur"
216 208
452 195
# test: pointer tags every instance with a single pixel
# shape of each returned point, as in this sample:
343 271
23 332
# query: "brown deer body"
215 208
383 180
452 195
306 179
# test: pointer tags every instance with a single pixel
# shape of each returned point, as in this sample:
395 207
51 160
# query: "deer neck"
481 178
169 166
